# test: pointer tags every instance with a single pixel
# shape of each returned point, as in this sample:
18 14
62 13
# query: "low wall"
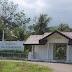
11 45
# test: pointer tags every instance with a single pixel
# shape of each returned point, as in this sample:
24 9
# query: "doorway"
59 51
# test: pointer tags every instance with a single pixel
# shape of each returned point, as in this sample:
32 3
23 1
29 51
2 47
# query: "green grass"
22 67
70 63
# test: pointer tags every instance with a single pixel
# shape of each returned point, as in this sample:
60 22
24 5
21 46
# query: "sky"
59 10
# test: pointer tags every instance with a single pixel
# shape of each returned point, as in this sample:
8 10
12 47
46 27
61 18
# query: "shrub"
16 51
60 53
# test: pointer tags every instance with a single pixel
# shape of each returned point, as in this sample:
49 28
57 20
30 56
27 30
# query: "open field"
22 67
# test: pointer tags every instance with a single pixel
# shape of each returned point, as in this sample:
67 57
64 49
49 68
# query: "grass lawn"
70 63
22 67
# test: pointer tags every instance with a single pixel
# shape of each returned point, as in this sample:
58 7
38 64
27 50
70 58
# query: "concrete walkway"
57 67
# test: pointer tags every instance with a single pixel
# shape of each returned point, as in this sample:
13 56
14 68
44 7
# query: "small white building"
44 46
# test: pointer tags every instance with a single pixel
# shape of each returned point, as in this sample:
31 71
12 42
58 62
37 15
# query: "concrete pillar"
51 51
68 51
48 51
32 51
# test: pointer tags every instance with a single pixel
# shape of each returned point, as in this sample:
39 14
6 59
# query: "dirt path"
57 67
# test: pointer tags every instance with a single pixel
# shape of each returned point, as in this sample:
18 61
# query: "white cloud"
37 5
59 10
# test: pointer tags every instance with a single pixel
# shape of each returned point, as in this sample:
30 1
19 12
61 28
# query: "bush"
60 53
16 51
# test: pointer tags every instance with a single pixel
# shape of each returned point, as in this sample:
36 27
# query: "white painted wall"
41 52
57 38
11 45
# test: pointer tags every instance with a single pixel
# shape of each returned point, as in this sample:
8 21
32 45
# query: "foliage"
10 16
20 33
12 20
41 24
28 47
16 34
16 51
28 34
60 53
22 67
52 28
61 27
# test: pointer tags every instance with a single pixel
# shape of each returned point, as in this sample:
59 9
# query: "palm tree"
41 24
63 27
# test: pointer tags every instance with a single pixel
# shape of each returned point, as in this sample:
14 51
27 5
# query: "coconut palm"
41 24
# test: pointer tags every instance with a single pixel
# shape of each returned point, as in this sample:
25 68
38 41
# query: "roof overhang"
33 44
41 42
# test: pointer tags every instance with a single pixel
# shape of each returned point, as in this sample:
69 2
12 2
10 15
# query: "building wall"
57 38
41 52
46 51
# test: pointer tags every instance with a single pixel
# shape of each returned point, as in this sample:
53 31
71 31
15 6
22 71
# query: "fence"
11 55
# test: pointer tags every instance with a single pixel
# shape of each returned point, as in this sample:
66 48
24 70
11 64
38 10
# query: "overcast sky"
59 10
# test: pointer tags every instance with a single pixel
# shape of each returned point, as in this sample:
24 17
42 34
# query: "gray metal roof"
34 39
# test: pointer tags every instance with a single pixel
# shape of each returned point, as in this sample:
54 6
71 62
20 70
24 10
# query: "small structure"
44 47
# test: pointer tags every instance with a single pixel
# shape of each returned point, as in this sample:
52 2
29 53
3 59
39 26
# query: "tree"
11 19
19 33
10 16
41 24
63 27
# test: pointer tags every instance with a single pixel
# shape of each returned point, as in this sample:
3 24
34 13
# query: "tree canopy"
41 24
10 16
61 27
10 19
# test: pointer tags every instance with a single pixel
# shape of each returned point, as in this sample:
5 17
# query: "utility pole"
3 36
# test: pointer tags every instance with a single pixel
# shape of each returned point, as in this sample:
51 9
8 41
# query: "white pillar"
48 51
32 51
52 51
68 53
